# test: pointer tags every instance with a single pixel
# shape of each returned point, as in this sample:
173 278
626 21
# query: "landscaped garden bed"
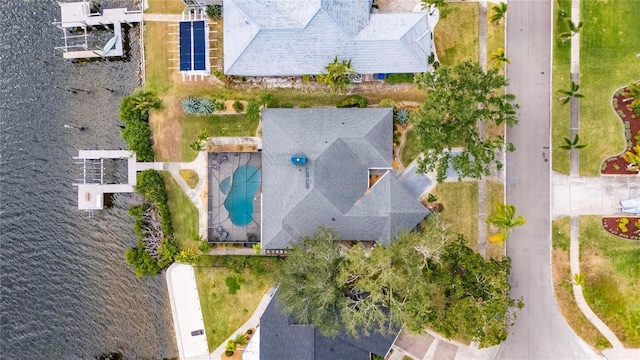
617 165
624 227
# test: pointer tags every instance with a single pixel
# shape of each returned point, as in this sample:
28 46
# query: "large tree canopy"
426 279
459 100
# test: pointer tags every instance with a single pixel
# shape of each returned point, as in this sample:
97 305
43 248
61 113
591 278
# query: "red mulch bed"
616 165
610 224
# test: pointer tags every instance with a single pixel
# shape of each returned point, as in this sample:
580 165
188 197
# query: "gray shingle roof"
282 338
297 37
340 146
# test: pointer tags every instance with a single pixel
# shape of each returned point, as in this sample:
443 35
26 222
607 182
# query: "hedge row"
134 112
259 264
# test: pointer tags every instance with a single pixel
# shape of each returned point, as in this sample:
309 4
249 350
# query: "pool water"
239 202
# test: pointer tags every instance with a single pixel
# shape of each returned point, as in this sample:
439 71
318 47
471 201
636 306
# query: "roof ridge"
409 48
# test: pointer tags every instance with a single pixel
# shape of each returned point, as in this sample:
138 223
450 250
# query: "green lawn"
190 177
564 291
184 215
608 60
460 200
165 7
494 192
224 313
218 125
411 148
456 34
611 267
560 114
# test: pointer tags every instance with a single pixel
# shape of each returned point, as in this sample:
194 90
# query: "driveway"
540 331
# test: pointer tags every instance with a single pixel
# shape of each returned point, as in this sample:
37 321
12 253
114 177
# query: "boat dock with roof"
91 188
78 15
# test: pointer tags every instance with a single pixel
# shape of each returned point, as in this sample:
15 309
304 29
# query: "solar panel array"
192 46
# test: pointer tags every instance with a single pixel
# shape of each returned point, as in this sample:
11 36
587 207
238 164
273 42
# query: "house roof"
278 38
332 188
282 338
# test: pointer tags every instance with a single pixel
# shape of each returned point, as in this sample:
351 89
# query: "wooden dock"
78 15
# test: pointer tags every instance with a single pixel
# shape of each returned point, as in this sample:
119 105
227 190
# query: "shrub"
137 134
214 11
232 284
219 105
622 224
306 78
187 255
401 116
387 103
237 106
304 105
286 106
205 106
253 110
143 263
266 99
432 58
432 198
134 112
396 138
204 247
399 78
190 105
240 339
350 101
219 74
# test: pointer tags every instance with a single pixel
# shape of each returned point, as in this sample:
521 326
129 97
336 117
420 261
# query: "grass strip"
612 273
456 34
608 61
460 201
184 215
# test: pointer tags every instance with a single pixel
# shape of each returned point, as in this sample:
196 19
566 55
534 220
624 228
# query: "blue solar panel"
185 46
199 49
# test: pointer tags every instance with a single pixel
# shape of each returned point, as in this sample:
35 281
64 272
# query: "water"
65 289
239 203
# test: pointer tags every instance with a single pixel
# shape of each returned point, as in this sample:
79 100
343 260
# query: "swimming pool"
239 202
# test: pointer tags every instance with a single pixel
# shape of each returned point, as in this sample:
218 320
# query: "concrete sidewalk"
573 195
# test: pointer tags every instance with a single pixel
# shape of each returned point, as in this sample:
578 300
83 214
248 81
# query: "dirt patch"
167 131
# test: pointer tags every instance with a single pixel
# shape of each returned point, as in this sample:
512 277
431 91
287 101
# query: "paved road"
540 331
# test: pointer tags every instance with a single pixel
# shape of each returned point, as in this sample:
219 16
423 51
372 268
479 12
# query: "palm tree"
573 144
432 5
572 30
337 75
498 12
504 218
145 100
633 94
499 58
571 93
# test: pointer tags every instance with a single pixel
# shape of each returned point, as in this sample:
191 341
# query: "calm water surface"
65 289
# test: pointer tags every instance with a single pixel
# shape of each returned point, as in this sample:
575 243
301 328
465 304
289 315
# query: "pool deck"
222 166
